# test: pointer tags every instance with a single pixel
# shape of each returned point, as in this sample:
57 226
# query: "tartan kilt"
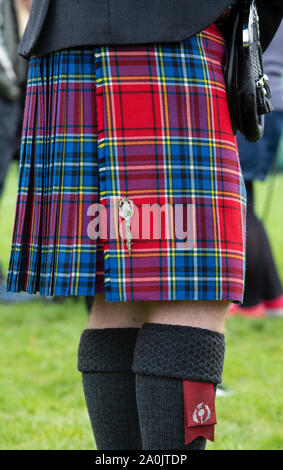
145 126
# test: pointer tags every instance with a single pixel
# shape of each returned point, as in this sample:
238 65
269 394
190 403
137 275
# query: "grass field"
41 398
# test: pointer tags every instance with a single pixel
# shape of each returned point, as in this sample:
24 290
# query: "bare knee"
131 314
201 313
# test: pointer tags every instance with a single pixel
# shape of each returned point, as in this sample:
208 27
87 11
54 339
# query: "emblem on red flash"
199 419
201 414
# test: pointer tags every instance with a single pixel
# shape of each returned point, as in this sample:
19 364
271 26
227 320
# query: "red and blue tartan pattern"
149 122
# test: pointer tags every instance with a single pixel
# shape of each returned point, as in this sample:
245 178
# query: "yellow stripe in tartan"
112 142
167 80
159 140
62 195
80 199
83 249
33 231
57 139
210 145
108 111
208 35
69 249
122 252
66 189
162 78
61 77
192 192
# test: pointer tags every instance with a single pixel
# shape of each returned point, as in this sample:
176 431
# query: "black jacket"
60 24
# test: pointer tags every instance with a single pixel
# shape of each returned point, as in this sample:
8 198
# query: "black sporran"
248 92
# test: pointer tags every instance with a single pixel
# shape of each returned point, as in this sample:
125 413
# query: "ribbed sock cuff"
107 349
183 352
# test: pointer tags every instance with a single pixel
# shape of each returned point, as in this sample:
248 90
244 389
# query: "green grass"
42 404
41 398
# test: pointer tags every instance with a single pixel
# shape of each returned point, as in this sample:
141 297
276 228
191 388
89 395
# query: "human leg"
105 360
178 362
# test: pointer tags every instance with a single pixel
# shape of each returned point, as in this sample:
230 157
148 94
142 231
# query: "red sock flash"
199 406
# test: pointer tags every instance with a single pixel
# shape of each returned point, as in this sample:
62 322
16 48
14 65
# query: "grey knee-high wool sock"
164 356
105 359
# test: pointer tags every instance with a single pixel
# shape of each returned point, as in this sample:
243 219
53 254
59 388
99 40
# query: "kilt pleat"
148 122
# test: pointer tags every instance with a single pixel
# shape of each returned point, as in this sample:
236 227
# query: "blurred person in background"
13 72
263 288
